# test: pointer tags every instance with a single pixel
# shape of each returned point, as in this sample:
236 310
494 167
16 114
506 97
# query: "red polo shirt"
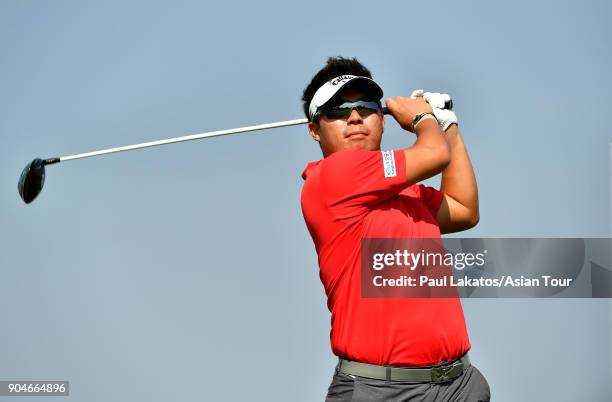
355 194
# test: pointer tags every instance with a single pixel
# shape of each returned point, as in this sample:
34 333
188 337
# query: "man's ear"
313 130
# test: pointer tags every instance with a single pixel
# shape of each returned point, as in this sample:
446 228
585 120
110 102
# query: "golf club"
32 177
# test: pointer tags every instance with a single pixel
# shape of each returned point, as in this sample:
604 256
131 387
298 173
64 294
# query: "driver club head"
31 180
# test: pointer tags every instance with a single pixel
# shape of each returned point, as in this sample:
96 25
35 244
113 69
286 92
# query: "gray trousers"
471 386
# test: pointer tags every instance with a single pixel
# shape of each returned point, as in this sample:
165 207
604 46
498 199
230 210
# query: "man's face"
353 132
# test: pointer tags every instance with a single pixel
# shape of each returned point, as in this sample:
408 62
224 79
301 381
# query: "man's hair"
335 66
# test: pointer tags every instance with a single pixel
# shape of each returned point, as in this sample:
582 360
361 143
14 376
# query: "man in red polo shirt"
390 349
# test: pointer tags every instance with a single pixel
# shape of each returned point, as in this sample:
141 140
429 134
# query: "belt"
437 374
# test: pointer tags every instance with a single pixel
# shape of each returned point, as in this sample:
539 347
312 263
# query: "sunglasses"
344 110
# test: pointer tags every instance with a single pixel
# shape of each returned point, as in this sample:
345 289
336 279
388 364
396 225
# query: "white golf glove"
437 101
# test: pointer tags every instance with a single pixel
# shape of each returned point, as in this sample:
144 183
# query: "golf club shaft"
180 139
191 137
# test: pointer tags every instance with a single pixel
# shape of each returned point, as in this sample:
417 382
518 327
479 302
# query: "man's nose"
354 117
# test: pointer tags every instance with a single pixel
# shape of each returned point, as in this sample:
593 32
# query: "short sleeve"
353 179
431 198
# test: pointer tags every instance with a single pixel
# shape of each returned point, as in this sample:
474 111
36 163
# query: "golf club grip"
448 105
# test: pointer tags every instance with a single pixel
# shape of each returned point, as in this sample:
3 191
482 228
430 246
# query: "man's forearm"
458 179
429 155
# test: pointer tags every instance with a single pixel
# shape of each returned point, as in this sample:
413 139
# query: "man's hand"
404 110
430 154
437 101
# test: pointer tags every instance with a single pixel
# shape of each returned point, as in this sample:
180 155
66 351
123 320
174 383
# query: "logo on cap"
341 78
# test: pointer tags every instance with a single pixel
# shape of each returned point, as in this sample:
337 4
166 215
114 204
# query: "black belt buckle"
443 373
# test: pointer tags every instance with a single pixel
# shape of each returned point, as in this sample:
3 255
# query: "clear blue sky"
152 275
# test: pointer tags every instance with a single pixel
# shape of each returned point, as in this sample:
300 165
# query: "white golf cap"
327 91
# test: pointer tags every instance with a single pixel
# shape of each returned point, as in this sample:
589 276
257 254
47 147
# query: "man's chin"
368 146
